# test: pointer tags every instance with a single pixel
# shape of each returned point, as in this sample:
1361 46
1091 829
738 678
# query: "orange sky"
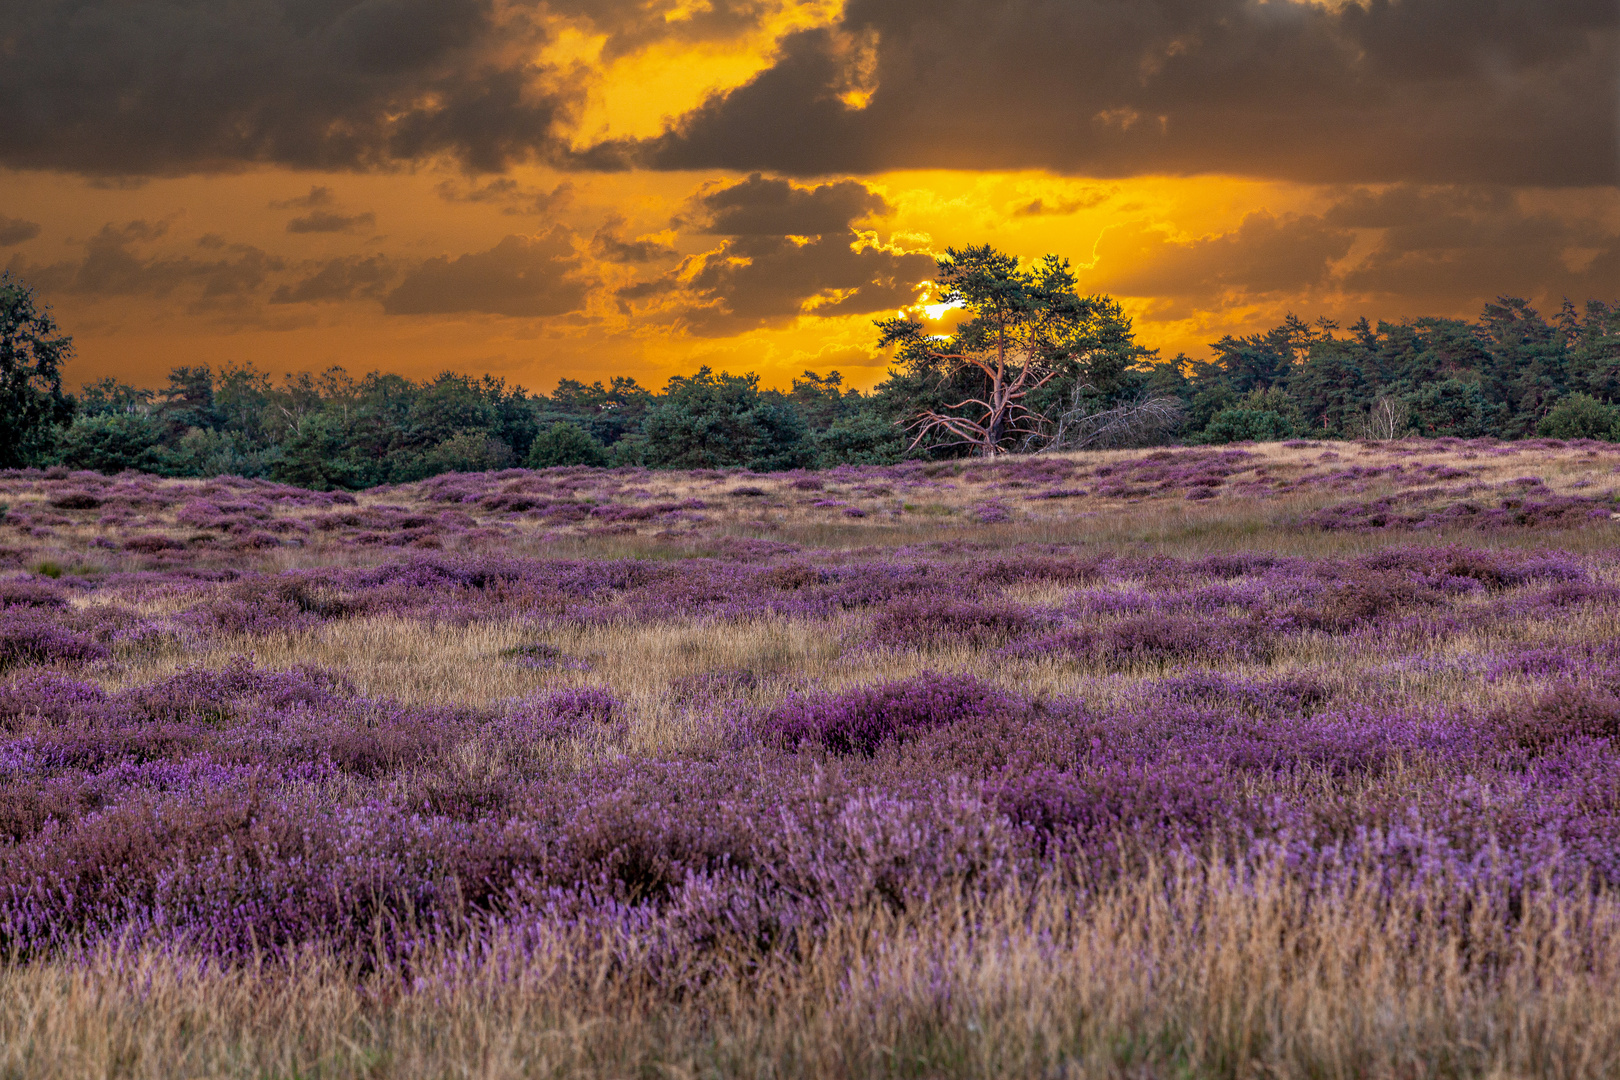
625 239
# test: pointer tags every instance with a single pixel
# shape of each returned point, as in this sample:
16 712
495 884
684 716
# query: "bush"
465 451
112 443
1581 416
565 444
859 721
1241 424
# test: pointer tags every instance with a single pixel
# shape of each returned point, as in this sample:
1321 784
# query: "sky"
589 188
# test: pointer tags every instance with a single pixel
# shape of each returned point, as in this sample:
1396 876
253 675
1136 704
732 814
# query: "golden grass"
1170 975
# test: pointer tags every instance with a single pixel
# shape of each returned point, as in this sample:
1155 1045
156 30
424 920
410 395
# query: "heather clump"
28 637
860 721
1154 640
1561 713
1293 696
931 623
30 594
565 714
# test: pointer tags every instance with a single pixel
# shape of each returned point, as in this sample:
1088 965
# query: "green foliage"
1030 345
608 413
564 443
862 438
212 453
1243 423
1581 416
1451 407
708 421
464 451
32 351
822 401
112 442
315 456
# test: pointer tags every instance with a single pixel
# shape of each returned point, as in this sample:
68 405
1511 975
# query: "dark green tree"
188 402
313 456
564 443
1581 416
112 442
32 351
1451 407
1024 329
707 421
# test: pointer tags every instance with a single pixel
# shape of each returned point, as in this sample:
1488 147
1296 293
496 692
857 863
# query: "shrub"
565 444
28 638
1581 416
1562 713
859 721
1240 424
919 624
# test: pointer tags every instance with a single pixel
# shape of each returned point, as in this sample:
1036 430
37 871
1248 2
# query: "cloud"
513 197
523 276
318 196
789 250
609 245
326 221
773 207
339 279
14 231
165 87
1433 244
1431 249
1438 91
1063 205
1265 254
114 266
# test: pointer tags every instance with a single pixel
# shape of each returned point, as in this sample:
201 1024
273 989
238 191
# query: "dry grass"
1172 975
937 509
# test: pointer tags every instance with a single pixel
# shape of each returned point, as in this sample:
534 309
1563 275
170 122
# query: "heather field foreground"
1284 760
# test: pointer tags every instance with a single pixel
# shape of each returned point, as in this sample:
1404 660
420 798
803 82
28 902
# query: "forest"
1067 368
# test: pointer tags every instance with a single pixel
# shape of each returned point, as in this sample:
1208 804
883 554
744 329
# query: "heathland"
1285 759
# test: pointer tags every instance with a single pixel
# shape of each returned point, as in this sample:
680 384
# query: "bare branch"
1083 426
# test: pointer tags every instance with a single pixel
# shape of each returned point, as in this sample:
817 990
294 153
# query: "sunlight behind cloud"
638 93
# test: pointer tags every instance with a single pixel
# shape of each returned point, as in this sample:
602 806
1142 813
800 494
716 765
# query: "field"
1296 760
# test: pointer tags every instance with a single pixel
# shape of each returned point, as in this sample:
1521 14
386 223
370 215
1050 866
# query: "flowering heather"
673 741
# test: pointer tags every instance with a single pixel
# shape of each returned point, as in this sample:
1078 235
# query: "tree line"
1032 365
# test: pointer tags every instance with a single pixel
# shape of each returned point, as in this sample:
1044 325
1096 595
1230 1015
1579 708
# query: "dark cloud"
513 197
318 196
114 265
1516 91
773 207
1263 255
1438 249
162 87
1434 245
14 231
348 278
1061 206
328 221
630 25
608 244
789 250
526 276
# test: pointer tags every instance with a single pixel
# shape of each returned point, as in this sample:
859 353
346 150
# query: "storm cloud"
1435 248
1438 91
167 87
789 250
